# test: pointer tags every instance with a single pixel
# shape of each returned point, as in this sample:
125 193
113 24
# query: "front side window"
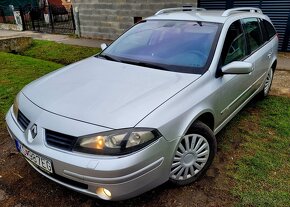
181 46
253 32
235 44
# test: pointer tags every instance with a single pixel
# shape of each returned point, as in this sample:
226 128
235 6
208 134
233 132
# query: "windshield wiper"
144 64
199 23
108 57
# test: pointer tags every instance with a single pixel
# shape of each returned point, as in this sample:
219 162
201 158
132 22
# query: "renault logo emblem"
32 132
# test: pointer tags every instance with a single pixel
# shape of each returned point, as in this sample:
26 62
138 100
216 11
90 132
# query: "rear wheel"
194 154
267 84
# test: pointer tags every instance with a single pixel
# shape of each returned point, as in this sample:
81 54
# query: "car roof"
199 14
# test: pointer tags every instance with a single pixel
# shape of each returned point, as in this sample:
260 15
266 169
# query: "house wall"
107 19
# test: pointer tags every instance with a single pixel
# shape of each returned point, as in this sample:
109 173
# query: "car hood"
106 93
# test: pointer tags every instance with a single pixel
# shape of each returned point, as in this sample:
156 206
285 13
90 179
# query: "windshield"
181 46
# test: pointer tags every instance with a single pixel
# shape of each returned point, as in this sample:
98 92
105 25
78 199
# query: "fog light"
104 193
107 192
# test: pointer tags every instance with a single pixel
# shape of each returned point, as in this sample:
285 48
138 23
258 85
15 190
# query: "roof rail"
185 8
250 9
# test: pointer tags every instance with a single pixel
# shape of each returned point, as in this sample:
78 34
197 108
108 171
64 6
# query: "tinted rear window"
269 28
253 32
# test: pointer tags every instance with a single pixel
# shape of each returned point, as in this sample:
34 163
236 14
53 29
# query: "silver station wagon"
147 108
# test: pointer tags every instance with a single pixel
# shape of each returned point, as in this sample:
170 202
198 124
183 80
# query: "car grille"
58 140
22 120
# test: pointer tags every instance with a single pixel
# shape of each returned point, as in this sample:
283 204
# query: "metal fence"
277 10
49 19
6 15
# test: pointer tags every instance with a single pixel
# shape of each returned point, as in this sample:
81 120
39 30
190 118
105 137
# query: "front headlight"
117 142
15 106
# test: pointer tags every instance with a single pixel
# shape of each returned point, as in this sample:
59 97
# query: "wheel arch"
274 65
204 133
206 117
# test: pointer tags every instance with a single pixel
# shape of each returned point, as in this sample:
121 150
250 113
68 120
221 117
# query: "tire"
267 84
194 154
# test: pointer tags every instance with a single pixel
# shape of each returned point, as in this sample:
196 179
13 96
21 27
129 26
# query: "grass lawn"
58 52
261 163
260 168
15 72
42 57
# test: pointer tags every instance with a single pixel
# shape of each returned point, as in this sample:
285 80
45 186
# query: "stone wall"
14 44
107 19
16 27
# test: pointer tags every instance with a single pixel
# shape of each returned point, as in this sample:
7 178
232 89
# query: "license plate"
36 159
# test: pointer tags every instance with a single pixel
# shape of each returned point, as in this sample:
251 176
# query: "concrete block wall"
107 19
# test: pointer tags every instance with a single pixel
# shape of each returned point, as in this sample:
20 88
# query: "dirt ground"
281 83
22 186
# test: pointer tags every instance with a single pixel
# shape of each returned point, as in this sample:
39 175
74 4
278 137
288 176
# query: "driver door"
234 88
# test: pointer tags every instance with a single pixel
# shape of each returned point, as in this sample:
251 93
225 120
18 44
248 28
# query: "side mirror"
104 46
238 67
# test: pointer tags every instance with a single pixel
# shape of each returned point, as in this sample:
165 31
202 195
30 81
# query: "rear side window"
270 30
235 44
253 33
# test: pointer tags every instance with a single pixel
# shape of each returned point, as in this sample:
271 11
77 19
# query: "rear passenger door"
260 52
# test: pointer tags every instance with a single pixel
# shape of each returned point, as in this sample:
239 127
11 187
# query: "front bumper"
124 176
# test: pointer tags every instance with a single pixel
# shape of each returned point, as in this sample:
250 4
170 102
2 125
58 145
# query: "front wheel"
194 154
